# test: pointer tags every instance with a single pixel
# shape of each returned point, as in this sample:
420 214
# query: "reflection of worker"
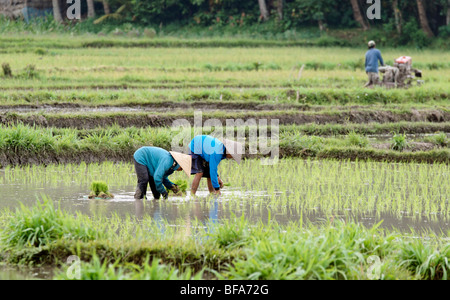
373 56
207 152
153 166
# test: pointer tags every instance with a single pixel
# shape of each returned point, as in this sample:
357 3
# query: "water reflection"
314 200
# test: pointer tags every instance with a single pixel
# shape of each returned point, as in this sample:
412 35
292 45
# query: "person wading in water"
153 166
207 152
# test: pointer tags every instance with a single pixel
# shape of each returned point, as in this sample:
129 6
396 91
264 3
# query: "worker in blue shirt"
207 152
153 165
373 56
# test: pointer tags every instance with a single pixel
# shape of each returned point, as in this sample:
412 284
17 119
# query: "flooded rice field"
403 196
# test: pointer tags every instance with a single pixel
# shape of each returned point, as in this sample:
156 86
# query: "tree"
397 16
263 10
448 12
423 19
357 14
57 11
106 7
280 7
91 9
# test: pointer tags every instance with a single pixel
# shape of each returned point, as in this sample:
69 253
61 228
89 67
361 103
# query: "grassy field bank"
234 250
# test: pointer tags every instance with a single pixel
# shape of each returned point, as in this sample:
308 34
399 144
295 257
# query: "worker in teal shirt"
153 165
207 152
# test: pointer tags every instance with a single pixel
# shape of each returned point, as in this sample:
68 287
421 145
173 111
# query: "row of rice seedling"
286 57
409 190
232 249
336 79
180 67
54 175
245 98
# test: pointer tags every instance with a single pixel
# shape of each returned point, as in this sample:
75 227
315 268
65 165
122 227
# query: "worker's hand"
175 189
220 182
165 195
217 192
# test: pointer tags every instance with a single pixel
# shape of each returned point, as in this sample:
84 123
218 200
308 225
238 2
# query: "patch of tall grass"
43 223
95 269
234 249
20 143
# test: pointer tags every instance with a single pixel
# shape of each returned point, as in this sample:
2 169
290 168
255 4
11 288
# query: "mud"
156 107
411 147
91 121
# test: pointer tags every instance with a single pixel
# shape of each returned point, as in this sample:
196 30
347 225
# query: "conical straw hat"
184 160
236 149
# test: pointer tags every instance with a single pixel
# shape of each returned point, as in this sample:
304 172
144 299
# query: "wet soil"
91 121
411 147
159 107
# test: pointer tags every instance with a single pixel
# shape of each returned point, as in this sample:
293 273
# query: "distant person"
153 165
207 152
373 56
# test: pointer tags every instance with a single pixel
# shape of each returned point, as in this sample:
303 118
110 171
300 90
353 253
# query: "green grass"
296 97
43 223
333 249
20 143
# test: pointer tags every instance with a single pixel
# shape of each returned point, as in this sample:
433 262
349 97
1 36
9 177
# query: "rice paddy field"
362 173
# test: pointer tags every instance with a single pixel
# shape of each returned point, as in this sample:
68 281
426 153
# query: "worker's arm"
380 58
160 177
213 165
167 183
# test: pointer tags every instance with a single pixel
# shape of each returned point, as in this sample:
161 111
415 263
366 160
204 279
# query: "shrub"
6 70
29 72
439 139
399 142
355 139
150 33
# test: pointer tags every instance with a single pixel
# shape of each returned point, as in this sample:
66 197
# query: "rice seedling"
99 189
182 186
327 187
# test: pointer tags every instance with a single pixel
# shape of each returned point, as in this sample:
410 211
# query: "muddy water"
71 191
25 273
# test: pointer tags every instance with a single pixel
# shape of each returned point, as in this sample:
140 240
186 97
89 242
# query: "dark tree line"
432 17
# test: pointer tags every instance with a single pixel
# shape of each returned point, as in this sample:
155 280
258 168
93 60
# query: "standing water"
404 197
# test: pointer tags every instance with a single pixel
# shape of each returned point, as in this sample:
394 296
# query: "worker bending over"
207 152
153 165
